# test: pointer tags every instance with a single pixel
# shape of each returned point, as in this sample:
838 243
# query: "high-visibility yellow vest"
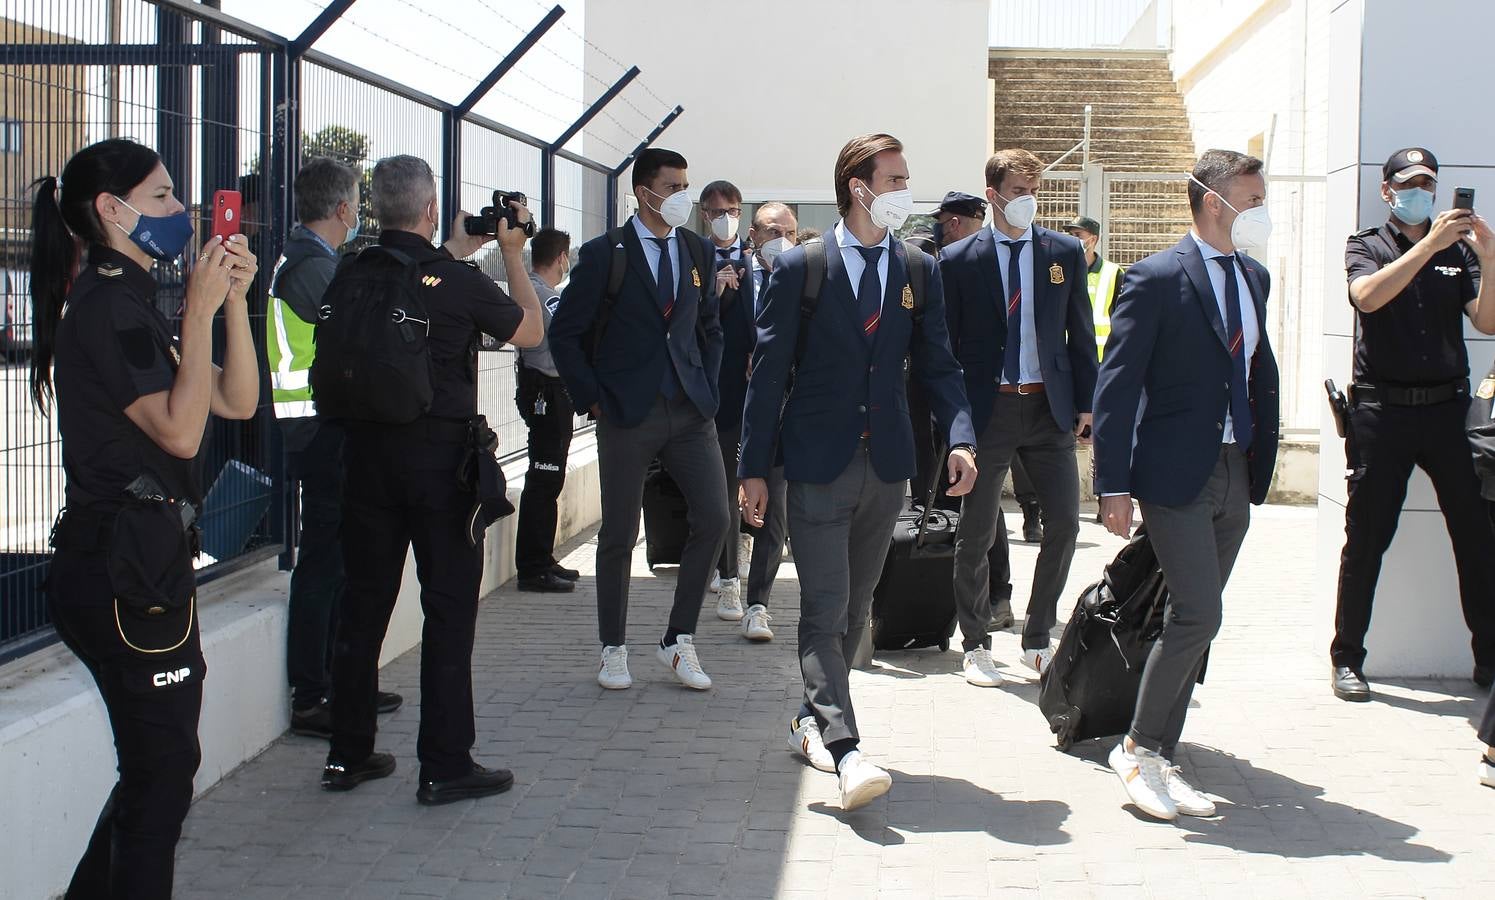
1102 284
290 351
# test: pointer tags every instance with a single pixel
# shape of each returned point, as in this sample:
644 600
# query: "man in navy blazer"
1020 325
1186 421
645 363
844 435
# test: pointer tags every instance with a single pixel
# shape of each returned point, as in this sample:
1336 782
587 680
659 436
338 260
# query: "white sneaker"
1486 771
980 669
861 781
1144 775
804 739
1038 660
613 674
715 585
755 623
680 658
729 600
1186 799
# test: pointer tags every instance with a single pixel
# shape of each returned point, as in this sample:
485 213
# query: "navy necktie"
725 252
869 291
1012 357
666 286
1240 397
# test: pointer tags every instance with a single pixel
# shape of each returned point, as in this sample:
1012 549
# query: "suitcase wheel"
945 645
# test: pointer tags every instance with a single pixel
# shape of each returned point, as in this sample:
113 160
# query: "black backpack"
617 267
372 363
809 297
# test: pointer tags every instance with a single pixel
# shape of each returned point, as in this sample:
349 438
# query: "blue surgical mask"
939 233
353 231
1412 206
163 237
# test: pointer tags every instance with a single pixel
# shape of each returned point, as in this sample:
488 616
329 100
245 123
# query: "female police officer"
133 405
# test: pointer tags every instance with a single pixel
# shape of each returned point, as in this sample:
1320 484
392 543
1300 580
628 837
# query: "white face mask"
724 227
772 250
890 209
1251 228
675 209
1020 211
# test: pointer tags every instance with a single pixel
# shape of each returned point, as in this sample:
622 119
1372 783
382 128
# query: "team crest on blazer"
1056 274
908 297
695 276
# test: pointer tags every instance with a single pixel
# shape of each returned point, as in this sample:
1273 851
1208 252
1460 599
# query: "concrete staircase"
1138 120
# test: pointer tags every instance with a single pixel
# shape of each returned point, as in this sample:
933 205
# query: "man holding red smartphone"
1412 282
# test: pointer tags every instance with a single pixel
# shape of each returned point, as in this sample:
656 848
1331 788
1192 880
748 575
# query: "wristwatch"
970 448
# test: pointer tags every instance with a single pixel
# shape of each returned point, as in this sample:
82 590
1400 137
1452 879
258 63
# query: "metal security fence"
229 104
1144 213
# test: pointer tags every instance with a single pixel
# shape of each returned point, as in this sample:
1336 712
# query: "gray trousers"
1197 545
841 533
685 441
728 440
768 542
1023 423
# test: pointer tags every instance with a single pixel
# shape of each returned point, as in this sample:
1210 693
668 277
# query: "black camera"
486 222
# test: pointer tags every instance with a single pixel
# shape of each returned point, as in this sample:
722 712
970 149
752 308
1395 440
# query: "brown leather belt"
1032 387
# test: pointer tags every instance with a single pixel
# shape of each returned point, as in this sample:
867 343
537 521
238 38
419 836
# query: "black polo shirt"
114 347
463 304
1418 338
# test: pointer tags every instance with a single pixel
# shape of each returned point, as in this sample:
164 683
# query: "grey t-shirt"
538 356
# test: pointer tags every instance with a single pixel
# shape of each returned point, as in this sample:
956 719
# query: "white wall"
772 90
1417 628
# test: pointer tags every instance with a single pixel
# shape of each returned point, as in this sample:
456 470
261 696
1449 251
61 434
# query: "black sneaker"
563 572
386 702
313 721
480 782
339 776
546 583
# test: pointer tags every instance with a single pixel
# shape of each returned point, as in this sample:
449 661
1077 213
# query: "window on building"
10 136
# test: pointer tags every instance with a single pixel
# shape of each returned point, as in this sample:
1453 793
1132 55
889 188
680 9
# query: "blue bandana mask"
1412 206
163 237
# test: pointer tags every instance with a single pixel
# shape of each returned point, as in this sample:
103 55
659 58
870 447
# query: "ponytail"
63 221
54 258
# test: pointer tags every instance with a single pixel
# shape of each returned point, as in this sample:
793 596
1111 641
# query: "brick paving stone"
658 791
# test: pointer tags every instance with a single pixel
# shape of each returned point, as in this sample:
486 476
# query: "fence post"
1093 202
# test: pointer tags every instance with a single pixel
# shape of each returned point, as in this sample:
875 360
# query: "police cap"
1409 163
1083 223
961 204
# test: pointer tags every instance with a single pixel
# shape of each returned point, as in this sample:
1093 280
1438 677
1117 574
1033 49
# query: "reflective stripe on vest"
1102 284
289 351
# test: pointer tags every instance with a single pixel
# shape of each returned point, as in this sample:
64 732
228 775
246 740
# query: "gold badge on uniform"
695 276
908 297
430 280
1056 274
1486 389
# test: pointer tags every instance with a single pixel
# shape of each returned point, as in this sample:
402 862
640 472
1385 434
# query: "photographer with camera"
1412 282
400 490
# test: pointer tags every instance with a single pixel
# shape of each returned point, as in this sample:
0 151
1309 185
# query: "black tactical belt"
1409 396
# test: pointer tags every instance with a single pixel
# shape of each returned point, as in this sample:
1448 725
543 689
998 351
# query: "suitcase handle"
934 487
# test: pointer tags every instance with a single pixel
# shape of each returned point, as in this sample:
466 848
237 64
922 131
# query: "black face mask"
939 234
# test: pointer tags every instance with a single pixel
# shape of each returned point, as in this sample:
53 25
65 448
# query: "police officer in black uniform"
1412 281
133 400
402 490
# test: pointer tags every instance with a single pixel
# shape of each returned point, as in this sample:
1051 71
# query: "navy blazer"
739 333
975 302
845 384
1167 350
637 345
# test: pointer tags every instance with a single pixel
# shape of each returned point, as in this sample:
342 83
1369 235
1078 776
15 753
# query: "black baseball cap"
1409 163
1084 223
962 205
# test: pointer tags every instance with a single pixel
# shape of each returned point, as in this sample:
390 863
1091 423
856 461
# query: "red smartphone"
226 206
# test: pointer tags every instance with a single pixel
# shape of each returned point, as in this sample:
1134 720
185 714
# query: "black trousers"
729 441
314 457
1387 441
546 408
1487 724
133 848
402 492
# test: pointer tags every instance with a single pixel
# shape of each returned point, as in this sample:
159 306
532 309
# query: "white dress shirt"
651 252
1030 370
1249 326
851 257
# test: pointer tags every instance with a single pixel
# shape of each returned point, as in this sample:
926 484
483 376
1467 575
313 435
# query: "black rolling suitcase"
1090 688
913 604
665 527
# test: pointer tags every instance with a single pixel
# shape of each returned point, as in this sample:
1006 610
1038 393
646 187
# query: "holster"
481 474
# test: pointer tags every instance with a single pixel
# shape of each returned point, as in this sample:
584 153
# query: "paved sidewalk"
660 791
